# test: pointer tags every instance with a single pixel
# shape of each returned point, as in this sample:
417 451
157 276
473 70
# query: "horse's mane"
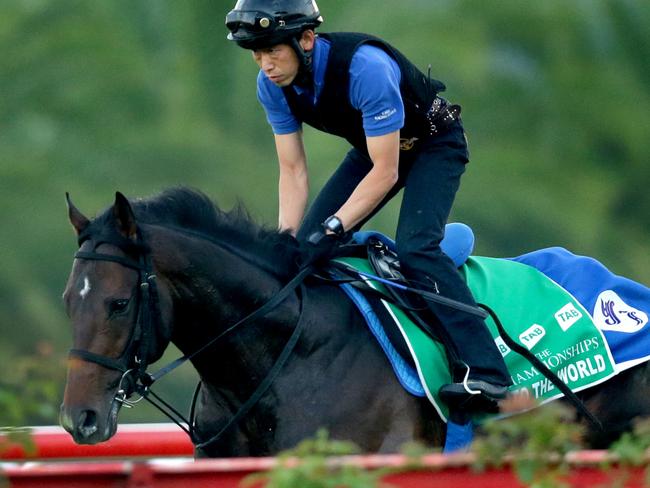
192 211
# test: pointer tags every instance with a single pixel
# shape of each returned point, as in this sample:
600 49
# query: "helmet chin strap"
305 59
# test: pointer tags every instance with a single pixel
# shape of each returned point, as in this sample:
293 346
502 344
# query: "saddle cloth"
534 310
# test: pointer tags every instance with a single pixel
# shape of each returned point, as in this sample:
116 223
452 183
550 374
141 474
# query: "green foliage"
633 449
31 392
535 443
308 466
11 436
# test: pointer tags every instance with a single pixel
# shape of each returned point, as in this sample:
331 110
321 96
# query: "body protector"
333 112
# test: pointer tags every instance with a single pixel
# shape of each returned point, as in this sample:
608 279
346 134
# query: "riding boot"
479 374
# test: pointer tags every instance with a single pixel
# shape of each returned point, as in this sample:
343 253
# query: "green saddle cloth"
535 312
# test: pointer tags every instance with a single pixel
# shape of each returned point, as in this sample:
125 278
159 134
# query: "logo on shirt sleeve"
385 114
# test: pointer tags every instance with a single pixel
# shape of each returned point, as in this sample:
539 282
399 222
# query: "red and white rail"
131 440
159 456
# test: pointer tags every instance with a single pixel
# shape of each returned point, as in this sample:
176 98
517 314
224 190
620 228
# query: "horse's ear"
77 219
124 217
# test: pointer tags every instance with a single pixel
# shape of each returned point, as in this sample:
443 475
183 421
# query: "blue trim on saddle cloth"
406 375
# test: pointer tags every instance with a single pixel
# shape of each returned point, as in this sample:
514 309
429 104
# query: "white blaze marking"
86 289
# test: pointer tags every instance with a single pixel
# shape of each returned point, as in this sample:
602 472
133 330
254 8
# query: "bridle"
133 361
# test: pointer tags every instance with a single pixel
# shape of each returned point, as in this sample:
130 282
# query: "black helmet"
262 23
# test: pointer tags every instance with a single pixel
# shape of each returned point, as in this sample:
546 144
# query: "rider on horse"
403 136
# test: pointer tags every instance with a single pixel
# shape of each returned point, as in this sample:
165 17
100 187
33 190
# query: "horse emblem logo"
612 313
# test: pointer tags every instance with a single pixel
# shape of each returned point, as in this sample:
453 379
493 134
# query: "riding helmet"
256 24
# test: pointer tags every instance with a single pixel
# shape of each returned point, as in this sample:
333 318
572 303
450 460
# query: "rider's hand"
319 248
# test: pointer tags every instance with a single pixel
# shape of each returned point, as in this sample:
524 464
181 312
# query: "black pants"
430 176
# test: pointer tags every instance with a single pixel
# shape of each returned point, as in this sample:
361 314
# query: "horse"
201 270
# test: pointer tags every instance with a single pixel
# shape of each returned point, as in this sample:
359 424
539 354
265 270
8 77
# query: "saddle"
457 243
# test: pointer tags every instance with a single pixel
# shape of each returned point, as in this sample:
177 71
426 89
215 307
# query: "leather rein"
133 361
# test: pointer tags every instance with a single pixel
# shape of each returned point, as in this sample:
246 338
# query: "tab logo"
503 347
532 336
567 316
612 313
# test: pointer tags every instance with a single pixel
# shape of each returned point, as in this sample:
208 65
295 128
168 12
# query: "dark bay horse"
211 269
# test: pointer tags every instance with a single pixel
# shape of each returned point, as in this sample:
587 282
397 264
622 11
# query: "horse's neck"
212 289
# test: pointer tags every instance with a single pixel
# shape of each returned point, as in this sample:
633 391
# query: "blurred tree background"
140 95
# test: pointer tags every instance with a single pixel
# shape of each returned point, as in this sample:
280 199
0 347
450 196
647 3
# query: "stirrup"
473 396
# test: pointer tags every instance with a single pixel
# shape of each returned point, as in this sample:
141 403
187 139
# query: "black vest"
333 112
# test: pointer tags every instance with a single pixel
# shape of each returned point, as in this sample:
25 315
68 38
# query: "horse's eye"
118 306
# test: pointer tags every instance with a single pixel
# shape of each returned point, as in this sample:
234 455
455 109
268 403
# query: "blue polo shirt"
374 91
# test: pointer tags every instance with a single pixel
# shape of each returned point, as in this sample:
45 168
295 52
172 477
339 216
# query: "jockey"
403 136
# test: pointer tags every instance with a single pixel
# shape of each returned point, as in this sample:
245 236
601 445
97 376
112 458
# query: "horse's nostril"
87 424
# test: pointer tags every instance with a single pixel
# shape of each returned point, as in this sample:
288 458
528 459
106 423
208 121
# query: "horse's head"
121 320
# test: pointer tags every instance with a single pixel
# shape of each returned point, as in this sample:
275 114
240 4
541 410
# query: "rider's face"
279 63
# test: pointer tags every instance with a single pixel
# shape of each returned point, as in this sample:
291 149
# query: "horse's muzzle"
86 426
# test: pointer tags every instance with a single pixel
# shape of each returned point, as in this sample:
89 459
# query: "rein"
134 359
